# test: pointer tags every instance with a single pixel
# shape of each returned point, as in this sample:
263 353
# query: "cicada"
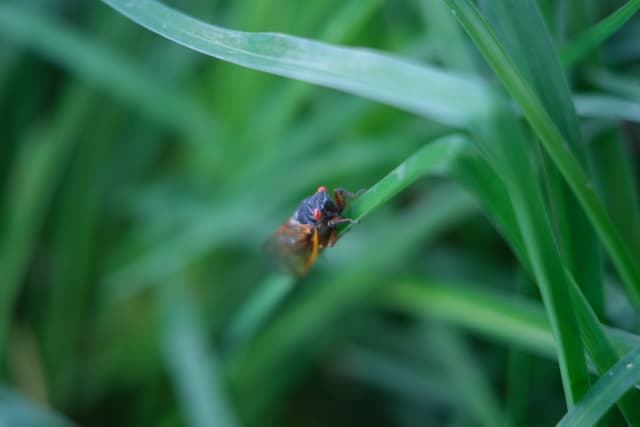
311 228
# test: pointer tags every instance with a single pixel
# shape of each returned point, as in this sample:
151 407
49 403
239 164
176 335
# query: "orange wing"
295 247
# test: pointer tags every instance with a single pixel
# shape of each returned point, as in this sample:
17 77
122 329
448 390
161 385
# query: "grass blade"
107 69
33 182
16 411
434 158
553 142
524 36
613 384
193 368
406 85
580 47
516 322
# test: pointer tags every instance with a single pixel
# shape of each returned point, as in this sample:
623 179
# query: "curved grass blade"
579 48
611 386
417 88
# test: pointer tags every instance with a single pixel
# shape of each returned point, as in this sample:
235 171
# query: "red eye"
317 214
322 188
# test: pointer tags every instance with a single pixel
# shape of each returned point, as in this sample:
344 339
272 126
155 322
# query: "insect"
311 228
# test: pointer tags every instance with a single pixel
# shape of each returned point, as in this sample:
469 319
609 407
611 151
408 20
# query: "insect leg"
337 221
333 236
339 193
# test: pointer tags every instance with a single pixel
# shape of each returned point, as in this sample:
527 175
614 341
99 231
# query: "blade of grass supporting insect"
17 411
193 368
434 158
611 386
524 36
203 232
420 89
552 140
301 325
99 65
32 183
580 47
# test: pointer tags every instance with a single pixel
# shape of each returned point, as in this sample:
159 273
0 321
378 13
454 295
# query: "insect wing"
294 247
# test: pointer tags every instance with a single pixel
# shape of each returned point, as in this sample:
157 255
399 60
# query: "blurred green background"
139 180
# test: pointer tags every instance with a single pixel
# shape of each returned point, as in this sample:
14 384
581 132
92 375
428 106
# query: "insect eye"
317 214
322 188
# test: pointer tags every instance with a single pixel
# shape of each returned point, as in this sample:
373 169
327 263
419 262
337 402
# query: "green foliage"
494 269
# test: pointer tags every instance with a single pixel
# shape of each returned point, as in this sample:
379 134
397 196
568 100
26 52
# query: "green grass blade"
613 384
625 86
32 183
602 352
420 89
434 158
98 64
483 181
579 48
470 382
605 106
193 368
616 177
303 325
524 36
514 321
17 411
553 142
509 152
